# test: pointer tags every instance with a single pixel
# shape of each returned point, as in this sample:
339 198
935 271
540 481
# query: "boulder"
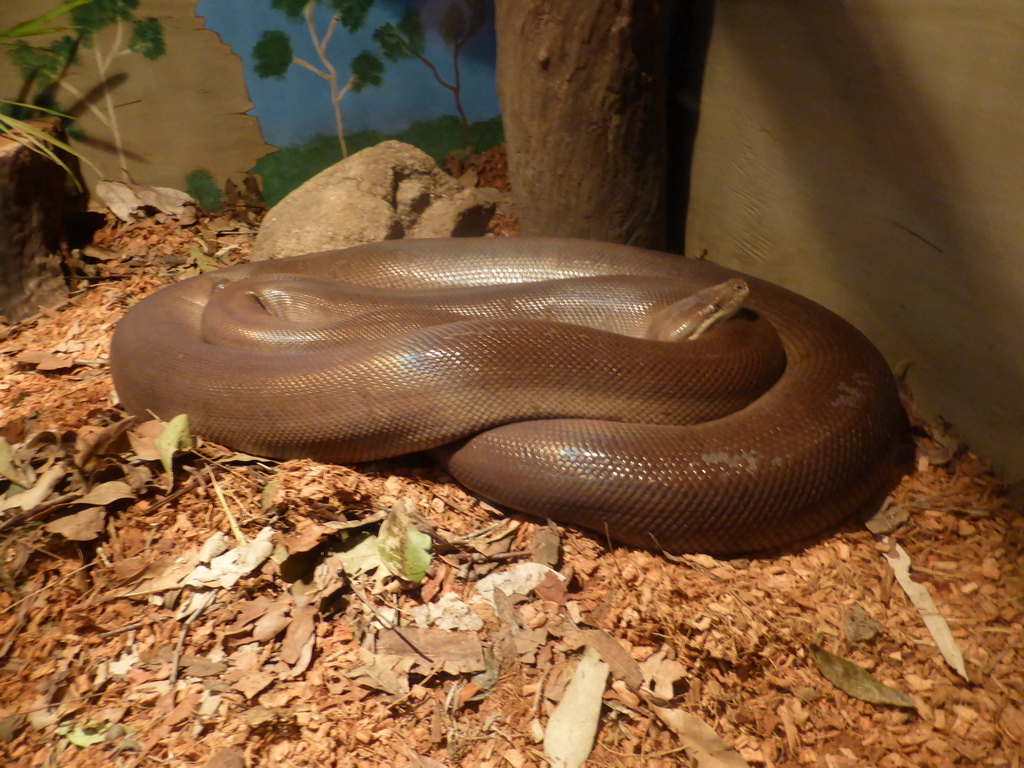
386 192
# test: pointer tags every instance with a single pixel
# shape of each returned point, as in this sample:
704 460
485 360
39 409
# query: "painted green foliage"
43 67
273 52
462 19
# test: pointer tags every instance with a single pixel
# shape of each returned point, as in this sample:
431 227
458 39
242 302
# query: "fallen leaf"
300 629
919 595
85 736
142 438
124 200
248 612
362 557
44 361
624 667
226 569
373 674
857 681
254 682
203 262
520 579
38 493
308 535
216 545
175 437
702 745
10 468
569 737
107 493
552 589
448 612
404 550
546 545
166 573
456 652
80 526
225 758
887 519
858 626
259 714
666 673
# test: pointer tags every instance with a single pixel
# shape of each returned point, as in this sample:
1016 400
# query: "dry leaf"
124 200
857 681
300 629
702 745
666 673
142 437
38 493
449 612
858 626
518 580
919 595
81 526
569 737
45 361
456 652
226 569
107 493
166 573
374 674
624 667
11 468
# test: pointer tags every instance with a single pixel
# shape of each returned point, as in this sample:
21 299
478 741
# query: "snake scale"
524 360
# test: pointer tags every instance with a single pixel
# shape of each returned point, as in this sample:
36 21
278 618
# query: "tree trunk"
582 91
33 203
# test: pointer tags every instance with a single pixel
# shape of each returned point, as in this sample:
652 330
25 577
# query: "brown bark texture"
582 91
33 199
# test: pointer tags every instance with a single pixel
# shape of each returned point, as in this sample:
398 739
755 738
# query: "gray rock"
386 192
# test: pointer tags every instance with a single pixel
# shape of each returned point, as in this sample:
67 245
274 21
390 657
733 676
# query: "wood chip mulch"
118 649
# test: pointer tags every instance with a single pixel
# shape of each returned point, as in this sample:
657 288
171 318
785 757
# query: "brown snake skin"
579 424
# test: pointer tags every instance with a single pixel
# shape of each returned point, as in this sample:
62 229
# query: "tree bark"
582 91
33 202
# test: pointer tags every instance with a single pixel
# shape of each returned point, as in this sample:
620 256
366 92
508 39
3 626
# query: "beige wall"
174 114
870 154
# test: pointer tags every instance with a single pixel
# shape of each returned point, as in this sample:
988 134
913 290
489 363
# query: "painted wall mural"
190 95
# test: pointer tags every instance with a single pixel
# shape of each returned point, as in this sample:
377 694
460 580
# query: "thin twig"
184 631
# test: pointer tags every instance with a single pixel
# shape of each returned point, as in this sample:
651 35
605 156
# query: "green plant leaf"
38 25
362 557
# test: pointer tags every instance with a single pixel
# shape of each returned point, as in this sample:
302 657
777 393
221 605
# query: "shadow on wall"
880 167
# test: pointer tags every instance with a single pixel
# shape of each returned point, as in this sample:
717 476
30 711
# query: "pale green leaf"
176 437
362 557
404 550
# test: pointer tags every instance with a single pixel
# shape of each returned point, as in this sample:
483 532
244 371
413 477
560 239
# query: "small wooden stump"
33 201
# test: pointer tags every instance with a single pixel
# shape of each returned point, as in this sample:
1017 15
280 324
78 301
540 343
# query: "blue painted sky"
298 107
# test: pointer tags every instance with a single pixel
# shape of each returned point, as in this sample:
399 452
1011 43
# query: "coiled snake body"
717 445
